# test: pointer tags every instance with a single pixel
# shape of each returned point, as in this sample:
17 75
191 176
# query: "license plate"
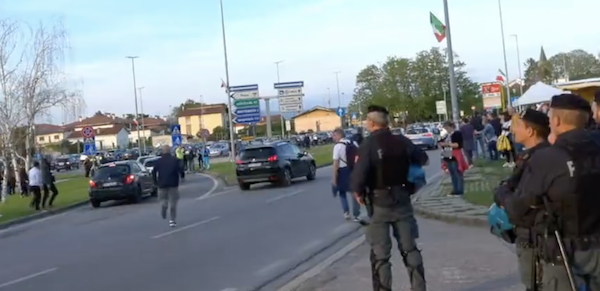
61 164
110 184
254 165
417 142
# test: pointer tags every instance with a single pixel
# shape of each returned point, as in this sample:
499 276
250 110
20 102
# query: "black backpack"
351 154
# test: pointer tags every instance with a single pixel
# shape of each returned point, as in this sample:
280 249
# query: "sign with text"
491 90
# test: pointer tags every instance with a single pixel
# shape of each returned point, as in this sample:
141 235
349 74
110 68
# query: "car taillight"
129 179
272 158
428 134
238 161
92 184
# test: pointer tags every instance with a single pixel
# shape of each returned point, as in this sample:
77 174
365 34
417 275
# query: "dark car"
62 164
122 180
130 155
276 163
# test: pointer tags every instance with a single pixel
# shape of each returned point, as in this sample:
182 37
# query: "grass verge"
69 175
323 155
69 192
481 181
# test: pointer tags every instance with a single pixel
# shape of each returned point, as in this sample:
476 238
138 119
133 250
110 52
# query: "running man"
166 173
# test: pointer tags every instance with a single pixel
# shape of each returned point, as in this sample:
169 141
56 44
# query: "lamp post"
451 73
231 131
337 83
519 63
280 113
132 58
143 124
508 103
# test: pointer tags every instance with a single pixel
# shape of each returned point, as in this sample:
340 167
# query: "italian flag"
439 29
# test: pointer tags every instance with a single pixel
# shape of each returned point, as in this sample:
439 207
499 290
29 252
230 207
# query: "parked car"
149 163
122 180
142 159
422 137
74 160
276 163
218 150
131 154
62 163
398 131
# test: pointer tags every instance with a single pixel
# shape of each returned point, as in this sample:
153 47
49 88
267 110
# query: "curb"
224 181
38 216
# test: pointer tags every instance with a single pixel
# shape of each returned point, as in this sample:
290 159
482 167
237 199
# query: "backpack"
351 154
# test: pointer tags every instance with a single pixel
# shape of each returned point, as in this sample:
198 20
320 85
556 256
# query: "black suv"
278 162
120 181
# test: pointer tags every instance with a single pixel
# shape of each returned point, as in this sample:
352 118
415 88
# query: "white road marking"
176 230
215 194
270 268
214 187
22 279
284 196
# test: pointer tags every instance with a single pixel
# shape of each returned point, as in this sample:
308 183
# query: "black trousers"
37 197
47 189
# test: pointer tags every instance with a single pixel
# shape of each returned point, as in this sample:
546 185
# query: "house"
317 119
208 116
152 126
110 131
49 134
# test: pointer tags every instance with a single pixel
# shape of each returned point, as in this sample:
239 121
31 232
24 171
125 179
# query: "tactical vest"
580 217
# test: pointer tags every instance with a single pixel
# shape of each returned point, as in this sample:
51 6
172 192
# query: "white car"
149 163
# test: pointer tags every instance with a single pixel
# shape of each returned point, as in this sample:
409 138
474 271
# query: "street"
226 239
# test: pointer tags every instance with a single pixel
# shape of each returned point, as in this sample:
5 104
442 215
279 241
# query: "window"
286 150
135 168
41 138
417 131
257 153
150 163
296 149
116 171
56 136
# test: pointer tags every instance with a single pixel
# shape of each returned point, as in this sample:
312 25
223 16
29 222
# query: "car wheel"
312 172
243 186
95 203
154 192
286 178
137 197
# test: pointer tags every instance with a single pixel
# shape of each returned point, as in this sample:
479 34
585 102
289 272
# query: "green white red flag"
439 29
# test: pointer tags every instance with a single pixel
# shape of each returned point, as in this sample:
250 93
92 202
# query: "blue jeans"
343 185
493 150
457 178
479 147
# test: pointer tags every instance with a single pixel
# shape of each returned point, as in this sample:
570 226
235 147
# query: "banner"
491 90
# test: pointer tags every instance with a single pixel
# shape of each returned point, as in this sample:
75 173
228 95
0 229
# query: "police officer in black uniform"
563 181
531 129
379 181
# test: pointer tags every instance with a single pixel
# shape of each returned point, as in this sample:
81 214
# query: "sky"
180 47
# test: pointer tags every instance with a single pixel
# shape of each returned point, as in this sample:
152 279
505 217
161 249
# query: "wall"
190 125
133 136
587 93
159 140
328 121
122 138
50 138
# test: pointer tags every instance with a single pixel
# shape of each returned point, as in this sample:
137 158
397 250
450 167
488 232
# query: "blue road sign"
285 85
89 146
243 88
354 115
244 111
37 156
514 99
176 135
341 111
247 119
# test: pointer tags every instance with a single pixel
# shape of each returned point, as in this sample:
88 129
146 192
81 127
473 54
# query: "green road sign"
245 103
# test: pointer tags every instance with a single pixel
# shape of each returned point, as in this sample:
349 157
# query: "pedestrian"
453 158
200 158
87 165
344 155
35 185
494 120
24 180
166 174
11 181
595 125
562 185
358 137
531 128
489 137
478 143
382 167
49 185
180 154
469 141
206 158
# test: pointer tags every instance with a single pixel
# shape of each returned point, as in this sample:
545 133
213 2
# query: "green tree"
187 104
575 65
409 88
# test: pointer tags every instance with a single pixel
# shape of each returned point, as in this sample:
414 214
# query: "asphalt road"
226 240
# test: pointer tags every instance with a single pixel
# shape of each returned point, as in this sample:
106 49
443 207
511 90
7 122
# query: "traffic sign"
87 131
290 96
244 92
247 111
354 115
246 103
176 135
89 145
440 107
247 119
341 111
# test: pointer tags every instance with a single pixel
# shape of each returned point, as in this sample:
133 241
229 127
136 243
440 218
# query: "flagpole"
453 97
507 81
231 131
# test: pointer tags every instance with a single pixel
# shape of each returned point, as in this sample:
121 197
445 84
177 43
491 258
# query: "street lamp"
132 58
280 113
337 82
231 131
504 52
328 98
519 63
142 113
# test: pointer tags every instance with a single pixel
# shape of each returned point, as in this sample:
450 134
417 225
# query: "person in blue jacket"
206 158
166 174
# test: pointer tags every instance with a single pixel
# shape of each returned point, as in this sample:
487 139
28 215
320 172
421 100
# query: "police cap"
377 108
535 117
570 102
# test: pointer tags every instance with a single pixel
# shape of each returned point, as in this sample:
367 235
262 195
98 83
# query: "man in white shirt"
341 173
35 185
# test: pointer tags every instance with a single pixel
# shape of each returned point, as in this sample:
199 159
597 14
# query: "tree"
220 133
575 65
189 103
409 88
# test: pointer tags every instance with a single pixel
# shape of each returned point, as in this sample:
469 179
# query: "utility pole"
328 98
451 73
507 83
143 118
519 63
280 113
337 82
231 131
132 58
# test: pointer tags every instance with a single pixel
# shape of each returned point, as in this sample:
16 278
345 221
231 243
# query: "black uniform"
522 235
381 174
562 180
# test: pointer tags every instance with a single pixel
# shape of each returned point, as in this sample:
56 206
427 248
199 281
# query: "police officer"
379 180
563 181
595 118
530 128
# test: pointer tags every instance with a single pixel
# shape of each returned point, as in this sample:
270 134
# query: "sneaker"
347 215
505 165
172 223
356 219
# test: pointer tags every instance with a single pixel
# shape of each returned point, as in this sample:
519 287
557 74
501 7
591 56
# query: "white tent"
538 93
